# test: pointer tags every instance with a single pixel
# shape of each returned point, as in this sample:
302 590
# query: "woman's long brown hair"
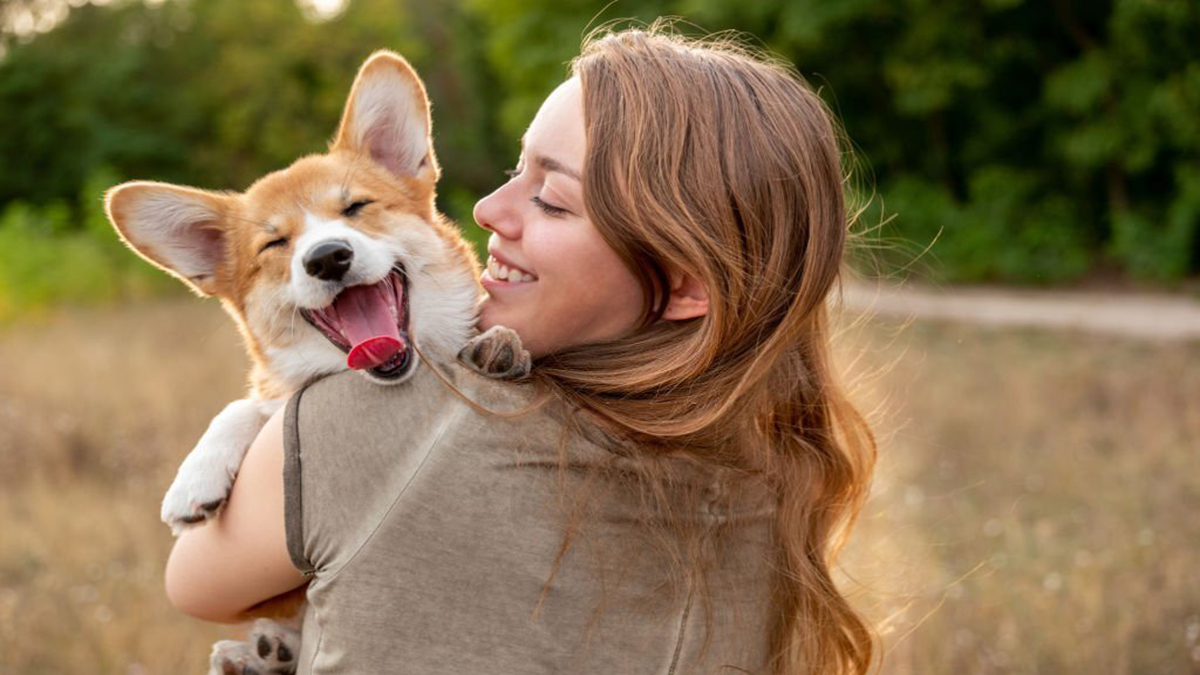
706 158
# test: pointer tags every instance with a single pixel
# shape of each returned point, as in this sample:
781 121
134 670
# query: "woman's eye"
353 209
550 209
282 241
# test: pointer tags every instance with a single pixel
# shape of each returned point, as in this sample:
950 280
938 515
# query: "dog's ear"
387 118
180 229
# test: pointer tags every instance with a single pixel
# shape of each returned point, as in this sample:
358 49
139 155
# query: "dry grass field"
1037 508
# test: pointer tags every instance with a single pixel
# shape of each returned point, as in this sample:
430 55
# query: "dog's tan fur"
220 244
274 207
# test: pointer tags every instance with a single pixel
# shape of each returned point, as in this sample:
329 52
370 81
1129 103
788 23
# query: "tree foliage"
1035 141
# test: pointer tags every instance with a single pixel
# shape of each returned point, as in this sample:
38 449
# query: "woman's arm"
218 571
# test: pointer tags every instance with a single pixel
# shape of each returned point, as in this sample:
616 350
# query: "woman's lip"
507 263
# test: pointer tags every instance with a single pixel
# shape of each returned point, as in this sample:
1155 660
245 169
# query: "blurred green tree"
1038 141
1076 120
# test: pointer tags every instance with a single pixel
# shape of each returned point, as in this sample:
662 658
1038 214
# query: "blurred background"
1025 329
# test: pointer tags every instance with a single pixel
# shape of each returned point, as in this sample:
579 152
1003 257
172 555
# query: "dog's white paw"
271 650
230 657
206 475
497 353
198 494
276 644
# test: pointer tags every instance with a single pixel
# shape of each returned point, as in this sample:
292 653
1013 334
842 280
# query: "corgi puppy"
338 261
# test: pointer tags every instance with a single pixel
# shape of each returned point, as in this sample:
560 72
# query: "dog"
340 261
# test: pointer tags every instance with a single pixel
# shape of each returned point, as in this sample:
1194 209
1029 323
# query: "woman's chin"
493 313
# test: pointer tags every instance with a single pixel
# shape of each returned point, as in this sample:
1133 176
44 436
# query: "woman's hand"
236 561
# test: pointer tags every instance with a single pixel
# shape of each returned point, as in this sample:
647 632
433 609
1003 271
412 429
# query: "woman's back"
432 532
665 248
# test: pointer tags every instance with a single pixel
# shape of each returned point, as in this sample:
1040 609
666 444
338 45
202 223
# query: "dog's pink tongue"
368 323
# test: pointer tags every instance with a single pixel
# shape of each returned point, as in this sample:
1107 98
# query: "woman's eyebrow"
551 164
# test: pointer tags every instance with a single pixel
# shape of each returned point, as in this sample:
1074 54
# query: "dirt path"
1136 315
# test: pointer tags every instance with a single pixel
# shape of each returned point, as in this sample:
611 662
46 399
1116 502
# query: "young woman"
677 222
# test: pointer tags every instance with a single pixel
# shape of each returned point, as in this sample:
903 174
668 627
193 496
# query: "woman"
677 220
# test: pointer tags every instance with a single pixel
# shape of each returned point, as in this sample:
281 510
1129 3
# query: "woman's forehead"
558 131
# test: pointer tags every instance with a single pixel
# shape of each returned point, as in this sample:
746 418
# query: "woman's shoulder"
450 395
436 385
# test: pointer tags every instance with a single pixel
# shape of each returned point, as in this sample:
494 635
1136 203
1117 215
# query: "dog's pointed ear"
180 229
387 118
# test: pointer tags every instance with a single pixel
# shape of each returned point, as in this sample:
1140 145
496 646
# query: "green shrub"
54 254
1004 232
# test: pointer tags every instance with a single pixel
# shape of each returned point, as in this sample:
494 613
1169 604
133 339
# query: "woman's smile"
501 269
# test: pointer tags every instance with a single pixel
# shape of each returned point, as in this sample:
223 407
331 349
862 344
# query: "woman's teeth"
501 272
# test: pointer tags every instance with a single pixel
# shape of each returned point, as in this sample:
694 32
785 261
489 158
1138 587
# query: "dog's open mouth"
370 324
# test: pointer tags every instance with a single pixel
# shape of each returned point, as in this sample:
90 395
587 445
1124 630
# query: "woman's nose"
495 213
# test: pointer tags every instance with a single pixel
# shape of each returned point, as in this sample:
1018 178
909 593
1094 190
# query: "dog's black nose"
329 260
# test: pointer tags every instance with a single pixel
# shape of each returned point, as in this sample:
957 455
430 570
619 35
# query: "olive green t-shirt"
431 531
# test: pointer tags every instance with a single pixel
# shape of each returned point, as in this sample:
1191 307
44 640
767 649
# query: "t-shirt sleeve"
351 447
292 504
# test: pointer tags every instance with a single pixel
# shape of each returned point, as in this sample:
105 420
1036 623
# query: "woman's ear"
688 298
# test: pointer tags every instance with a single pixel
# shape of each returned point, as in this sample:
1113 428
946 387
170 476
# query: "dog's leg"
271 650
276 644
202 484
496 353
230 657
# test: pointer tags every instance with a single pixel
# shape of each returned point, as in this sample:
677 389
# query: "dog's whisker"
292 322
434 278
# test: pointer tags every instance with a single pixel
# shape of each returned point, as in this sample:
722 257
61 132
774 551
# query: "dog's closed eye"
282 241
353 209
